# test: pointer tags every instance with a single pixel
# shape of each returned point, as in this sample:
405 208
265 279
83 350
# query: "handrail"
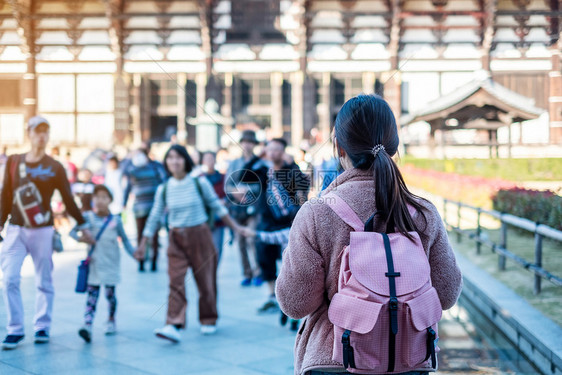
539 230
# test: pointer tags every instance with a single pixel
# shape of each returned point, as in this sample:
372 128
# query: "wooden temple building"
106 71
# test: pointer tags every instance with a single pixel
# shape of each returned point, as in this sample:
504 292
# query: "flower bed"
535 169
544 207
473 190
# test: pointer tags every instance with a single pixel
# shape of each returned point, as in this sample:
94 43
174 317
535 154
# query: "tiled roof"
522 103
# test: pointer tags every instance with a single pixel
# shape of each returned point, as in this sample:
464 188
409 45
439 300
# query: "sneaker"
246 282
41 337
86 333
12 341
110 328
270 306
208 329
258 281
168 332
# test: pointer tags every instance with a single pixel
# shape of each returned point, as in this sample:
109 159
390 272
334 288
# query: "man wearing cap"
32 234
242 200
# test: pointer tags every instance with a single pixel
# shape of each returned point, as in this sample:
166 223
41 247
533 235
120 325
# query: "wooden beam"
22 11
489 8
117 33
395 31
206 19
123 16
554 22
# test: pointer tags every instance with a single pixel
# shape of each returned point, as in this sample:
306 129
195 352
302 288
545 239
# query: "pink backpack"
385 312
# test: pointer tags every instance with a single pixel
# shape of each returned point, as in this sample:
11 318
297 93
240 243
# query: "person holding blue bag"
102 266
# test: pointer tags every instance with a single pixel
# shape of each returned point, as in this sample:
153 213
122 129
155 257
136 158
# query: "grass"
515 277
535 169
518 279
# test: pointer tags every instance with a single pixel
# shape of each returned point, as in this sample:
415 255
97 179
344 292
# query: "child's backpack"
27 198
385 312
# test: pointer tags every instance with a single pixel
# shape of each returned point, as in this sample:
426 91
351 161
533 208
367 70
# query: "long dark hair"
363 124
184 154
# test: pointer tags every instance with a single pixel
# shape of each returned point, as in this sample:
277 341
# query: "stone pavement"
246 343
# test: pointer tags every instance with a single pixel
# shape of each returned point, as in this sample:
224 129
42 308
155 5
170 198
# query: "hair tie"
377 149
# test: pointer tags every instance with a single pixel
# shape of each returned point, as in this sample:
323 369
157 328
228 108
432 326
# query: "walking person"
104 260
216 179
143 177
370 190
29 182
189 201
115 182
83 189
284 189
242 206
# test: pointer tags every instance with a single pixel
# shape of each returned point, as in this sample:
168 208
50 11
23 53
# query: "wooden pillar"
135 109
509 140
201 82
443 141
392 82
309 98
226 108
490 143
555 99
75 76
369 79
277 104
122 107
325 106
495 140
432 142
146 109
181 132
30 88
297 107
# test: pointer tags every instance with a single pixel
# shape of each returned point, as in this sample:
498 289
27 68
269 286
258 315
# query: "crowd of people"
185 195
261 199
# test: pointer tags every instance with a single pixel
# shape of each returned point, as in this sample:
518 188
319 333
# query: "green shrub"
540 169
543 207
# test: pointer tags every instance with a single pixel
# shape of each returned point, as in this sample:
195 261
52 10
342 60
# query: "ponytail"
392 197
366 129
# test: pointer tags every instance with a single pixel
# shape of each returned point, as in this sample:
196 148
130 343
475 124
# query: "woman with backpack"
189 201
369 266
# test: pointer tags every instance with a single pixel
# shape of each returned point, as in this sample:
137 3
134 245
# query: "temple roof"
478 99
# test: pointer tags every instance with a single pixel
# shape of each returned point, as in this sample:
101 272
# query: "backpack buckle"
393 304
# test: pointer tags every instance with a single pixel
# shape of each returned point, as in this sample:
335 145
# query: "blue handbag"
83 267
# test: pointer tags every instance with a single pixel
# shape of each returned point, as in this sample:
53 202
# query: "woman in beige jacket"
365 138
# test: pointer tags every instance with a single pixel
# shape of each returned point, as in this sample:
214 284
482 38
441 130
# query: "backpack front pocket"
423 313
354 320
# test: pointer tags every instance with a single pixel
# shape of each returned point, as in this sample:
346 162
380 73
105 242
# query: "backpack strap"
393 303
344 211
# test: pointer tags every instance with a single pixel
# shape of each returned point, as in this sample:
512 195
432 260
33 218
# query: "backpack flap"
367 261
353 314
425 310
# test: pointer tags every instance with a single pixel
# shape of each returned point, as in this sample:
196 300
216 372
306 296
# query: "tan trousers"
247 247
192 247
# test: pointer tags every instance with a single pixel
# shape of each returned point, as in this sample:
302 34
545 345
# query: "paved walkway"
246 343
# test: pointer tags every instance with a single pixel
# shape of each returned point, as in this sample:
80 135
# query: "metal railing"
540 231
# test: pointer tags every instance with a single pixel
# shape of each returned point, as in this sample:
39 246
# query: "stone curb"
535 336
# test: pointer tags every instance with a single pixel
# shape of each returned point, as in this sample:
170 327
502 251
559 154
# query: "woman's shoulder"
429 221
428 208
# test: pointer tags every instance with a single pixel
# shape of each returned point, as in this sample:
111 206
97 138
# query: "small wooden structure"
482 105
